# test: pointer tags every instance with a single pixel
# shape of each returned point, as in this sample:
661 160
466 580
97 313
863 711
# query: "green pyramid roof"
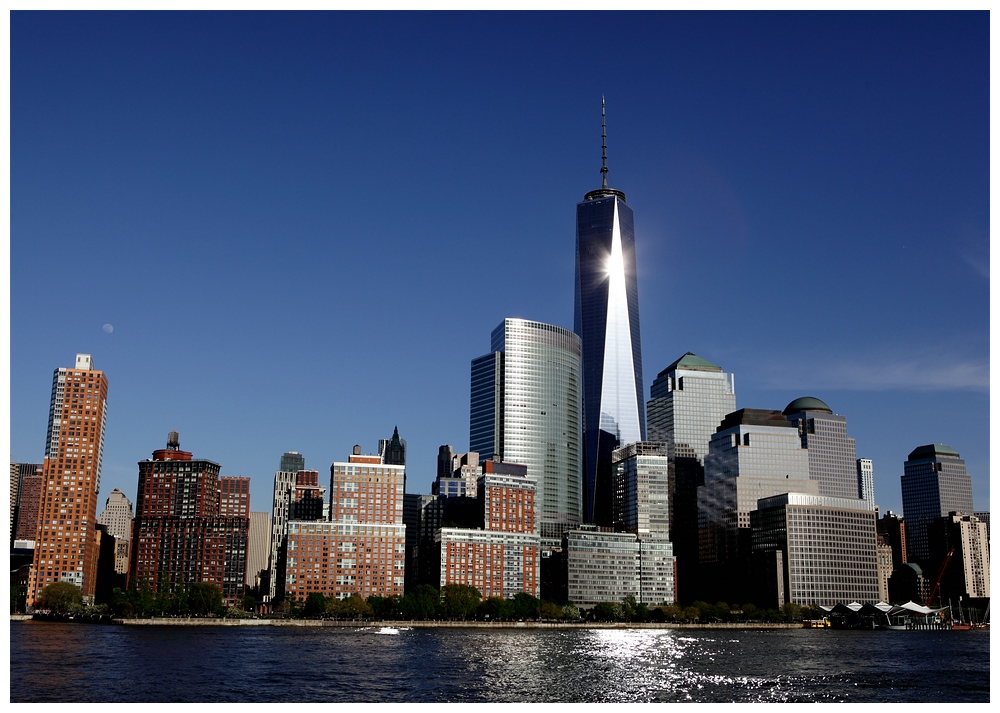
691 361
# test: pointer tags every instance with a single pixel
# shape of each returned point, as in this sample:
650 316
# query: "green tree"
315 605
608 611
356 607
526 606
421 603
204 599
791 611
672 612
60 597
571 612
460 601
550 610
691 614
384 607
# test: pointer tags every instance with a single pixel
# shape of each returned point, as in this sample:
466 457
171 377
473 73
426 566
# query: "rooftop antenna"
604 147
604 191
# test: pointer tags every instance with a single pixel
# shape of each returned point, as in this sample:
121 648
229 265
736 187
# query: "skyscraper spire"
604 148
604 191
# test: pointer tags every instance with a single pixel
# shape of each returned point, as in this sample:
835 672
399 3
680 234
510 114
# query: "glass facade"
755 454
934 483
606 316
832 456
525 408
688 401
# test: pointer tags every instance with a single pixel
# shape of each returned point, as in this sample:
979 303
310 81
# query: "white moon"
108 328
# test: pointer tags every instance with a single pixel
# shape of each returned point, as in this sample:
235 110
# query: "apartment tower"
66 546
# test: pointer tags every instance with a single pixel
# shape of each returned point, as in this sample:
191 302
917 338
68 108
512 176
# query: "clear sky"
295 231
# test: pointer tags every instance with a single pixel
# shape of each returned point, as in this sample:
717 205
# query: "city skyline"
248 213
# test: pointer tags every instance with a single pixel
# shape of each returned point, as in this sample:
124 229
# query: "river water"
95 663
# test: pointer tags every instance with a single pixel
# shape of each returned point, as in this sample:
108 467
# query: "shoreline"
212 621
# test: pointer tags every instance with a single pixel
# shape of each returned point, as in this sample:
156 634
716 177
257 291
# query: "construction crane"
940 575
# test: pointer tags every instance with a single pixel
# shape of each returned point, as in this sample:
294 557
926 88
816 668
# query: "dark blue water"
91 663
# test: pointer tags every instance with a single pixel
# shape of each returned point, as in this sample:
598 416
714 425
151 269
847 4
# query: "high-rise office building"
393 450
824 549
66 547
117 517
179 537
606 317
754 454
934 483
525 408
832 457
866 482
642 493
688 401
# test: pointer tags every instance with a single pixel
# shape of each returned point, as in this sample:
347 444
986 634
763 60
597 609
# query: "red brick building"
180 534
65 536
502 558
362 549
234 496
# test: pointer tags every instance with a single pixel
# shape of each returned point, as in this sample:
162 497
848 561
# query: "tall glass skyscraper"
688 401
934 484
607 320
525 408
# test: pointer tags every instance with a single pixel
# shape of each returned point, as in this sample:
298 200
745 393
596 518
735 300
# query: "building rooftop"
691 361
806 403
933 450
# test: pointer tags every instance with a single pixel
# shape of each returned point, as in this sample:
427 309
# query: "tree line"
455 602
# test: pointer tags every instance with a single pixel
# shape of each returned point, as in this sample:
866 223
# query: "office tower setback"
606 316
688 401
66 547
234 496
754 454
393 450
823 549
501 557
525 408
832 457
866 482
934 483
29 493
117 518
179 536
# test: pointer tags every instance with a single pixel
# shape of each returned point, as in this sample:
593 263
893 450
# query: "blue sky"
303 227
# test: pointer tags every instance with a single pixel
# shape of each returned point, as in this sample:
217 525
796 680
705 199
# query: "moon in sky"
108 328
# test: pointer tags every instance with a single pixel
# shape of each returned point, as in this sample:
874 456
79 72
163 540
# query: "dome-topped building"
833 461
806 403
